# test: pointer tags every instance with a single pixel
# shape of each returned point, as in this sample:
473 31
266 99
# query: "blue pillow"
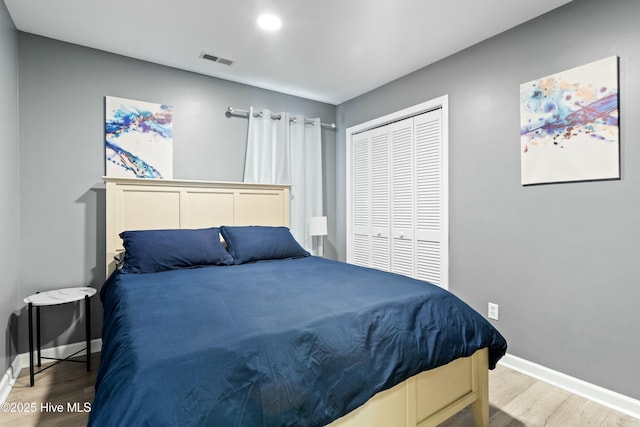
148 251
255 243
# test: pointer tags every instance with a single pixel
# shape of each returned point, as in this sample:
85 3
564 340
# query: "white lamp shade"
318 226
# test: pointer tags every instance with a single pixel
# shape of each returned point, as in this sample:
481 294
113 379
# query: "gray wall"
61 105
559 259
8 183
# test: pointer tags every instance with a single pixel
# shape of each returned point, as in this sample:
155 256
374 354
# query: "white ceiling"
329 51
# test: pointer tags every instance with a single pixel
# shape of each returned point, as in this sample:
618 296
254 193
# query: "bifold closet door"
360 200
430 224
398 198
402 200
371 191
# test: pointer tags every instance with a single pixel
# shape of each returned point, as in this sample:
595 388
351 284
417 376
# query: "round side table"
55 297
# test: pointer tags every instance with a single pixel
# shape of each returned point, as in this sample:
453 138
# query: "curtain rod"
245 113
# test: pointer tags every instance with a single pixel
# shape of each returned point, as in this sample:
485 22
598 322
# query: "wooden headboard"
147 204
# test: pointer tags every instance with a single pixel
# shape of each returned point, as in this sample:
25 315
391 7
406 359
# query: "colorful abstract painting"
138 139
569 125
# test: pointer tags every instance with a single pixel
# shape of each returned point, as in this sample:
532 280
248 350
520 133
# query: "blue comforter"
296 342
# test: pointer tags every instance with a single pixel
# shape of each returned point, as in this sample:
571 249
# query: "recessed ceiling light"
269 22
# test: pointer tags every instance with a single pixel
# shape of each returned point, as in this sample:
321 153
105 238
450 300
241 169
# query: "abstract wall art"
569 125
138 139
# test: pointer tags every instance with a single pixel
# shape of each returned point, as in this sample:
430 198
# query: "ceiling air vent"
217 59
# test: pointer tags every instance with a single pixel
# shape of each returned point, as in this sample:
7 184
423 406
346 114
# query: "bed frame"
426 399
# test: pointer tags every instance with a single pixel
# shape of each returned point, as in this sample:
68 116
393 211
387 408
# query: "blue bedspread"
297 342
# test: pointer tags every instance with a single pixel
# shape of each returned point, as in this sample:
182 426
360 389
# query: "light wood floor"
516 401
63 384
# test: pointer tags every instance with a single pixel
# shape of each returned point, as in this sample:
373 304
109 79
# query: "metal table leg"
87 315
31 373
38 335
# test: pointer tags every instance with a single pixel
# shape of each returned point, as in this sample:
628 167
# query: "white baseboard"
9 379
603 396
21 361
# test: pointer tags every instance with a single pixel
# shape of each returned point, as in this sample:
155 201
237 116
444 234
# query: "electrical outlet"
493 311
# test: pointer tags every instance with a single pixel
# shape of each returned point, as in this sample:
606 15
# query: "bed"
261 333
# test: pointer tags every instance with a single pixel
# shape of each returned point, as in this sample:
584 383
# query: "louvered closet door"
380 194
402 197
371 192
361 200
398 202
430 223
